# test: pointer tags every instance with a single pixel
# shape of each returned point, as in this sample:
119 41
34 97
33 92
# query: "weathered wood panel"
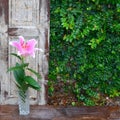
9 112
29 18
3 51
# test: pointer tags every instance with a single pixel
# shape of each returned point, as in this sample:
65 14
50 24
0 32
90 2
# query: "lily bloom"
25 48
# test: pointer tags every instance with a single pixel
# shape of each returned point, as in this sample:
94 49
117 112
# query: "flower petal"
31 43
30 46
39 49
21 38
25 48
15 44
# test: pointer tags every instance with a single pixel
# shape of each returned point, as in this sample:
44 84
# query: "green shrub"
85 48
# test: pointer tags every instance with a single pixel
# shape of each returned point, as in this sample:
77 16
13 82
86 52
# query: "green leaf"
19 75
32 83
16 55
36 73
18 66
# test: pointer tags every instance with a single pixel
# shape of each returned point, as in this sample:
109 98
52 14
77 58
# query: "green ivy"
85 47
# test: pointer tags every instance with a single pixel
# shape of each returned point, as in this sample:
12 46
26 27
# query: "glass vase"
23 102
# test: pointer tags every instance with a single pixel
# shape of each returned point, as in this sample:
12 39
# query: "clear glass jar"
23 102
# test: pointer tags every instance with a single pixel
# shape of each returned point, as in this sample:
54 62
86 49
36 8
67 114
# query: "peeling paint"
5 94
4 9
29 18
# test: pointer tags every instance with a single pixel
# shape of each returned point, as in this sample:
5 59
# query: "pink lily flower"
25 48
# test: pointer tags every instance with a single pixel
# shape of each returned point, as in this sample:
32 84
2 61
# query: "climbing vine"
85 48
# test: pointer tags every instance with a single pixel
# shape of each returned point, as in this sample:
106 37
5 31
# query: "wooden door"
30 19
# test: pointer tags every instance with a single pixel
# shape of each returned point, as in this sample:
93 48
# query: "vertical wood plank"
4 89
44 44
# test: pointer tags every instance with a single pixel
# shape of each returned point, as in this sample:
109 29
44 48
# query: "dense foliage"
85 48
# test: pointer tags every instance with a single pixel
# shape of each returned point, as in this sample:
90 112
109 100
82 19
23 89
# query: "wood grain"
29 18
